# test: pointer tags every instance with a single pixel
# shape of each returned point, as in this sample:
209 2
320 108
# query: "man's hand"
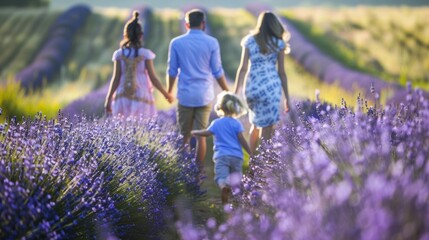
169 97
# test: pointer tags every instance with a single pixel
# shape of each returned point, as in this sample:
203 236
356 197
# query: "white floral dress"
263 90
134 95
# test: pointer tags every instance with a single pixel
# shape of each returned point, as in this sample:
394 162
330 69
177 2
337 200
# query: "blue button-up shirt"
195 58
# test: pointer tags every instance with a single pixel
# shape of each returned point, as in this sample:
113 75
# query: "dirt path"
213 191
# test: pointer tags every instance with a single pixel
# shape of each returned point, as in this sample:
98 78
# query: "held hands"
169 97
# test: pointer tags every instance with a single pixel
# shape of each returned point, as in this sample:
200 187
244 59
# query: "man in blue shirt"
194 58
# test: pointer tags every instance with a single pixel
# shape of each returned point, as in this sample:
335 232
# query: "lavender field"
349 161
337 174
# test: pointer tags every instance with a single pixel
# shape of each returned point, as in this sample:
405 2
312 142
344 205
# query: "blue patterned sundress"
263 90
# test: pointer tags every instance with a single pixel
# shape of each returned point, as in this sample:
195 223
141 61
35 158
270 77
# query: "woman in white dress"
131 91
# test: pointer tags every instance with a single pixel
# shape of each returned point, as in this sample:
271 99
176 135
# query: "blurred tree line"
24 3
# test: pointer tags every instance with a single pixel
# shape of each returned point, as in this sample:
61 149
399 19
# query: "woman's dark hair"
132 34
194 17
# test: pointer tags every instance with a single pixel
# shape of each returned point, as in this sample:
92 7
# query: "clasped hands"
169 97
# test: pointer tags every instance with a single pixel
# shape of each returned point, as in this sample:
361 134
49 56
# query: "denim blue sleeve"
172 63
215 61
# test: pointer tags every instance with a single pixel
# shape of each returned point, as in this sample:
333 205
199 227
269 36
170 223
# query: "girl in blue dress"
262 61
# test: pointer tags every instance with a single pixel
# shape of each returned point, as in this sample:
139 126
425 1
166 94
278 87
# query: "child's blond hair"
229 104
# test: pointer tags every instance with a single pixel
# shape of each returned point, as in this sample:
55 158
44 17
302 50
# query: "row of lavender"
51 56
76 178
93 102
347 175
327 69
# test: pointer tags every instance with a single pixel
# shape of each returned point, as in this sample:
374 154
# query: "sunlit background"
353 172
383 40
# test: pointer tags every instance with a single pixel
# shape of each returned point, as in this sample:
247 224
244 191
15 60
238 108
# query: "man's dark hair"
194 17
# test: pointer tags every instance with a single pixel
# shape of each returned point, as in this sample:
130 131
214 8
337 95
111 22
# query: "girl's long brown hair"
268 30
132 34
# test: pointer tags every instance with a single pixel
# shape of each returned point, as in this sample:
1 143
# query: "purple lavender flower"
349 175
64 177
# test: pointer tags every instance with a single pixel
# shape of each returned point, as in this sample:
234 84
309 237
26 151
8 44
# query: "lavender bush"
77 178
349 174
91 104
51 56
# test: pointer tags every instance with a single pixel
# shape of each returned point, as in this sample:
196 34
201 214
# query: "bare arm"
155 81
170 83
222 83
283 77
242 70
114 83
202 133
244 144
172 68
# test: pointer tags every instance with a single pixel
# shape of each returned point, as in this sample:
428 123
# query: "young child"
130 92
228 140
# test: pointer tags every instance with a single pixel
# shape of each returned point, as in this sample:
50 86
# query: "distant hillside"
357 2
237 3
361 2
